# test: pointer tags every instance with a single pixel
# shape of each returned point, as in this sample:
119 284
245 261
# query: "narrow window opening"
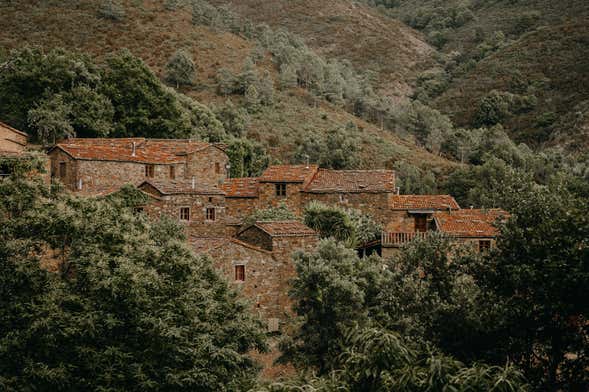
62 169
211 214
240 273
484 245
173 172
149 171
217 168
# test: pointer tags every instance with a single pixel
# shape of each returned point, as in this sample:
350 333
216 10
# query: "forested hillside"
525 59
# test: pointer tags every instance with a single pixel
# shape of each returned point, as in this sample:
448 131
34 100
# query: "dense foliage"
95 297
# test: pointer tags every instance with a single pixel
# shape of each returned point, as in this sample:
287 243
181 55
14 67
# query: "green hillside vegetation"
534 50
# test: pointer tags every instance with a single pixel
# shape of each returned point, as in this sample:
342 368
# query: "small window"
149 171
484 246
281 190
173 172
62 169
211 214
184 214
217 168
240 273
210 199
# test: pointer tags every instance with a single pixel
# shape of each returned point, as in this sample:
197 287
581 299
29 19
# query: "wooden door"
420 223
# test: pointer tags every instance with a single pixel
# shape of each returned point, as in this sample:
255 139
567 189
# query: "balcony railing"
398 239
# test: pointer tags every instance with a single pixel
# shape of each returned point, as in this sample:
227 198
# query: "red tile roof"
289 173
352 181
182 187
470 223
241 187
422 202
161 151
285 228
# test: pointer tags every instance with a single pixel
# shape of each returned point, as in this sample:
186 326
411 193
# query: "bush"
111 9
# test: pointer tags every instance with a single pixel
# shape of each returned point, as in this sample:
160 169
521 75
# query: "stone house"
284 184
366 190
241 200
474 227
198 207
259 262
94 166
12 141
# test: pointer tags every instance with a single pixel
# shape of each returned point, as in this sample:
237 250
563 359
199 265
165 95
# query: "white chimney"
80 184
133 149
193 182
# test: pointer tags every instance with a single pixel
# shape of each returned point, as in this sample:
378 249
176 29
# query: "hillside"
153 34
533 48
351 31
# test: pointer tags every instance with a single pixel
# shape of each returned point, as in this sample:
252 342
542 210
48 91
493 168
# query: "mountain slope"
347 30
154 34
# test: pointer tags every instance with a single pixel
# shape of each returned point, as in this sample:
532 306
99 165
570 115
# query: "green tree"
234 119
329 221
248 158
333 291
143 106
95 297
50 120
541 273
181 69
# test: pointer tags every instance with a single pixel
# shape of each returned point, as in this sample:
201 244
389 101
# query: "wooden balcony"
398 239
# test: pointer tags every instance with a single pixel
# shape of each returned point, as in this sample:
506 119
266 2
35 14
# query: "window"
62 169
149 171
139 210
217 168
281 190
240 273
420 223
173 172
484 245
211 214
184 214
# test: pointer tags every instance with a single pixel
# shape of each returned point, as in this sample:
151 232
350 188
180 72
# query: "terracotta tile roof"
352 181
470 223
289 173
162 151
241 187
182 187
285 228
11 129
422 202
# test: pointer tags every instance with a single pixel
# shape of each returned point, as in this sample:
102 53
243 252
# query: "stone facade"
201 212
208 165
97 166
260 264
12 140
374 204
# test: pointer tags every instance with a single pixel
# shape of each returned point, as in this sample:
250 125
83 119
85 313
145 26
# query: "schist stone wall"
198 224
261 279
293 199
239 208
401 222
10 140
374 204
209 166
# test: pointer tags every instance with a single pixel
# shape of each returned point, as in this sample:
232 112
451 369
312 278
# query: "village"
188 181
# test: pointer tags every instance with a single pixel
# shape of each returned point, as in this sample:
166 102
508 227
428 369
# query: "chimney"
193 182
307 160
398 190
80 184
133 149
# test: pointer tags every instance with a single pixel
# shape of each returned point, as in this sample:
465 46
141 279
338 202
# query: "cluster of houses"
188 181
